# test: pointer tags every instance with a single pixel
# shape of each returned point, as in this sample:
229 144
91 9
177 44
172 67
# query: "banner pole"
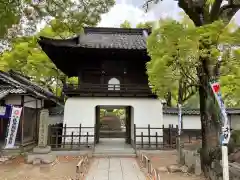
226 134
225 162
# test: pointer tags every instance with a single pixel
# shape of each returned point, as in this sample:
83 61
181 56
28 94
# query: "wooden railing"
71 138
107 87
152 173
155 137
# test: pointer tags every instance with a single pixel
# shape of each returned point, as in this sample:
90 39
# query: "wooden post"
156 140
80 134
64 134
163 139
87 139
56 140
170 135
149 136
142 140
135 139
72 140
21 127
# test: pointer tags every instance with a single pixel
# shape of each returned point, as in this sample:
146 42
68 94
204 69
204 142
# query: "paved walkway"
115 169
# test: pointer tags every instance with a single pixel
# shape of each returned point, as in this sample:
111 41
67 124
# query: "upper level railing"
107 88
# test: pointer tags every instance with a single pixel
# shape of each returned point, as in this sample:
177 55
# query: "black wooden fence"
71 138
155 138
81 138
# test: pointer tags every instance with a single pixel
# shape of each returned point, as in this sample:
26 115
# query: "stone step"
114 151
118 152
123 155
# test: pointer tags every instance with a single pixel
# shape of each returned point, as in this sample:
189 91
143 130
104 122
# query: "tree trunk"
169 99
208 118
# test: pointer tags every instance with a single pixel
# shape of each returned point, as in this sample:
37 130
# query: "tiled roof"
30 84
7 78
18 83
104 38
186 111
121 39
4 91
11 89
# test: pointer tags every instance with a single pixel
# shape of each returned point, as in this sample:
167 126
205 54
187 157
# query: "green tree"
176 53
204 12
72 15
25 55
125 24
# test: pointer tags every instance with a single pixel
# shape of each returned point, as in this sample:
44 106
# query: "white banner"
13 127
179 119
225 137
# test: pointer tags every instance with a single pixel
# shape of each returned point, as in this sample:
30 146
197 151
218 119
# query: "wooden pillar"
21 127
97 125
128 124
35 135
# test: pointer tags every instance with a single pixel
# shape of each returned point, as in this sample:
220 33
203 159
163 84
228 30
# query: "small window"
114 84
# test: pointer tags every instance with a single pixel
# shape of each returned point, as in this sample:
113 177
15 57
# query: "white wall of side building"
235 122
28 101
144 111
188 121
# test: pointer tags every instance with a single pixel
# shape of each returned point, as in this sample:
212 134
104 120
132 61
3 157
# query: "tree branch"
214 14
190 10
233 8
229 6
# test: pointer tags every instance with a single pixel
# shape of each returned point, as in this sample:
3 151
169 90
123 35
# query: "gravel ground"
166 158
64 168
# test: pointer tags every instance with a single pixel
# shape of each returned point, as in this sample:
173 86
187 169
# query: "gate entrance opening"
113 123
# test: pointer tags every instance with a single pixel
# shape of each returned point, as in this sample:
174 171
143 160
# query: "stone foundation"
191 159
42 153
40 158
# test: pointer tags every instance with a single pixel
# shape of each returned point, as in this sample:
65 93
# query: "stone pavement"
115 169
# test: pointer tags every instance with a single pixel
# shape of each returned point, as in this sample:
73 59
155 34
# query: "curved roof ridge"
113 30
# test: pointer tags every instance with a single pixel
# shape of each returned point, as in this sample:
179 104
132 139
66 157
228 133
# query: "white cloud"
121 12
131 11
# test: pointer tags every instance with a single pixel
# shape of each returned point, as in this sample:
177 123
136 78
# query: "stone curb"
152 172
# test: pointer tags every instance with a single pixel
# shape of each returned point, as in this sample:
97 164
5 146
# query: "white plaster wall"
29 101
235 122
189 121
170 119
82 110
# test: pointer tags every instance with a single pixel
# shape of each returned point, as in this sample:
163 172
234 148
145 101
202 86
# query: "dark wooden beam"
21 127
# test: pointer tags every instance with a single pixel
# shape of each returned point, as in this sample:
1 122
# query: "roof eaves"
8 79
37 88
187 111
110 30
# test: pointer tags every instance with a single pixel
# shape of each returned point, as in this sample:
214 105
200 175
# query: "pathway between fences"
115 169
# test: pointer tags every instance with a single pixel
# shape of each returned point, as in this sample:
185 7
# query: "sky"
132 11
